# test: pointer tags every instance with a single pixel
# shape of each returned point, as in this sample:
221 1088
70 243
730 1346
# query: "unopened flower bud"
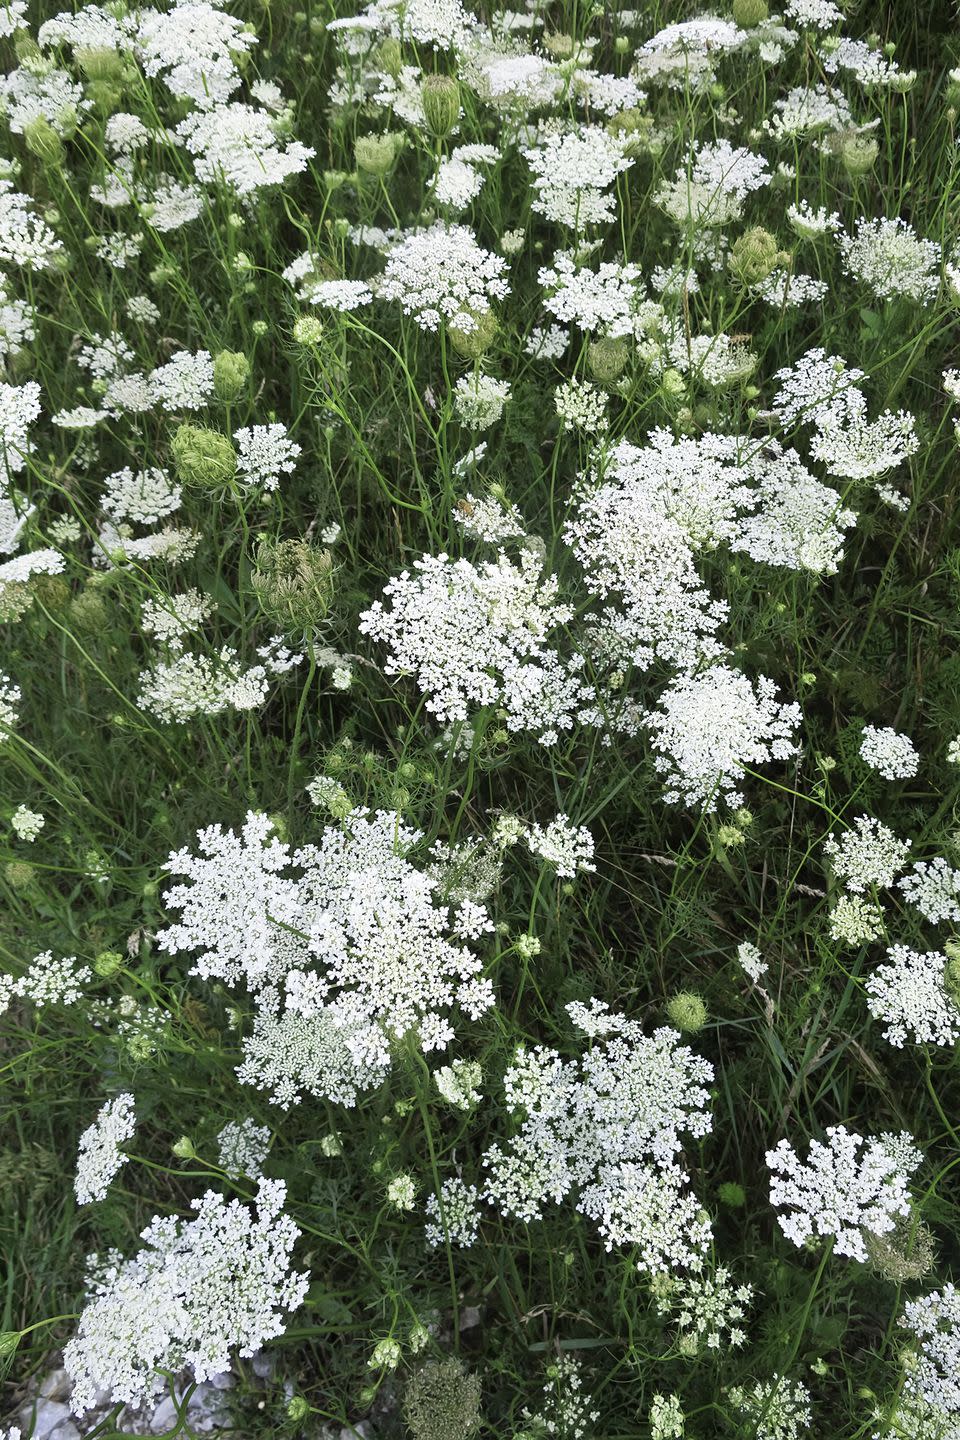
203 457
687 1011
440 96
607 359
471 342
231 371
43 142
754 256
748 13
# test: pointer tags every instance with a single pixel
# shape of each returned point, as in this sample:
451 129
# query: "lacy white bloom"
142 497
9 706
443 274
242 147
243 1146
707 1309
457 1083
710 727
47 981
604 299
100 1156
27 824
581 406
479 400
855 921
891 260
711 189
351 928
573 172
909 994
453 1215
777 1409
19 408
568 848
935 1321
187 685
479 635
198 1290
185 382
933 888
847 1185
172 617
891 754
751 961
264 453
868 854
609 1127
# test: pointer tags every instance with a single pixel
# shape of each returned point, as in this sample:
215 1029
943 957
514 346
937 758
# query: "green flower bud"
748 13
673 384
9 1340
184 1148
19 874
88 612
471 344
754 256
43 142
298 1408
100 63
732 1195
375 154
687 1011
440 95
203 457
858 154
633 127
231 371
293 583
107 963
607 359
104 96
389 56
53 591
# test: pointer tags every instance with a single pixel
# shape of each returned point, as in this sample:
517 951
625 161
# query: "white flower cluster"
869 854
908 993
453 1215
891 754
708 1309
848 1185
100 1157
711 727
568 848
479 635
343 943
242 1147
442 274
47 981
935 1321
573 173
198 1290
609 1128
891 260
187 685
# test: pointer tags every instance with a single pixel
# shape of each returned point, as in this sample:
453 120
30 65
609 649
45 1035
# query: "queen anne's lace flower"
909 994
892 755
608 1127
198 1290
710 727
867 854
100 1156
480 635
442 274
846 1186
935 1321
